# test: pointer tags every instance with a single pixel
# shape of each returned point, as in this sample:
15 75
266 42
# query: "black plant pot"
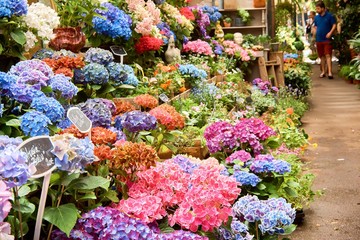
300 216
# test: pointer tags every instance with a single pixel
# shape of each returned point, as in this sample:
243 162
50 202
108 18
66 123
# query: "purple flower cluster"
273 214
35 123
267 163
263 86
98 55
13 168
120 135
136 121
73 154
246 178
165 30
96 73
218 48
97 112
104 223
50 107
113 22
5 204
220 135
241 155
110 104
185 163
203 21
31 65
24 94
6 141
62 84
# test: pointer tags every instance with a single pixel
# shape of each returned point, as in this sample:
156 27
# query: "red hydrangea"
147 43
168 116
186 12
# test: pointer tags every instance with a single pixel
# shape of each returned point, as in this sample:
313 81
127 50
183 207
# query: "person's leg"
328 54
323 66
321 54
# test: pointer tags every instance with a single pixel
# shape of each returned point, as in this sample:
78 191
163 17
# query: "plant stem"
57 205
16 196
257 230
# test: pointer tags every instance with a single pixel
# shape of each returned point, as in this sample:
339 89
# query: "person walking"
325 25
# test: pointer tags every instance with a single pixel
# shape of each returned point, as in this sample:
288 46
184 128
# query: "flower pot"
69 38
274 47
356 82
239 22
227 24
259 3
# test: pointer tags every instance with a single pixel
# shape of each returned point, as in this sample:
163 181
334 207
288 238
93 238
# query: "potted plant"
244 16
354 70
264 40
345 73
227 22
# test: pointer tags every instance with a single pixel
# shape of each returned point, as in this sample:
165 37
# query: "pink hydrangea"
232 48
199 47
241 155
200 198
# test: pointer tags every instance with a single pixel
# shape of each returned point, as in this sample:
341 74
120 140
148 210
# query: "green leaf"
126 86
112 196
87 196
1 48
289 229
89 183
24 190
96 87
160 138
18 36
290 192
293 184
103 171
106 89
64 217
69 178
169 137
25 206
261 186
47 89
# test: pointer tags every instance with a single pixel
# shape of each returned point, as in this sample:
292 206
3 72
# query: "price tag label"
40 159
79 119
118 51
164 98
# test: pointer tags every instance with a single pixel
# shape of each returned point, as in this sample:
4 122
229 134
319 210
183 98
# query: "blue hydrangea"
181 235
82 154
204 92
12 7
120 135
79 76
192 71
13 168
50 107
267 163
35 123
136 121
118 123
98 55
114 22
96 73
132 80
212 12
6 81
43 53
117 73
165 30
65 123
63 84
32 65
281 166
246 178
239 227
185 163
24 94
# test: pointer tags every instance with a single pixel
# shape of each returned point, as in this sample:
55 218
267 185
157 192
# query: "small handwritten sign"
118 51
79 119
39 156
164 98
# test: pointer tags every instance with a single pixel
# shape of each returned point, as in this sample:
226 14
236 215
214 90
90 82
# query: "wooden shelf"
247 9
245 27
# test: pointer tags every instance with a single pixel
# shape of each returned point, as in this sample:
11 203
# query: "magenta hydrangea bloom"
241 155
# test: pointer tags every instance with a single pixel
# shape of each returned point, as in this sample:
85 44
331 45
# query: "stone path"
333 122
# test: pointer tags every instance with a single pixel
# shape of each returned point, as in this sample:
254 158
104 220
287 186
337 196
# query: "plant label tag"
118 51
79 119
164 98
40 159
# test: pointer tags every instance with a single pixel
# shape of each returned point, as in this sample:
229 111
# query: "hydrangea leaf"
64 217
25 206
13 123
90 182
18 36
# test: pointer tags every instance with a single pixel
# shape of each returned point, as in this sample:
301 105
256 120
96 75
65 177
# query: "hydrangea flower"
113 22
192 71
185 163
13 168
6 80
24 94
98 55
8 141
97 112
13 7
267 163
5 205
246 178
241 155
63 84
198 47
64 123
137 121
212 12
96 73
73 154
35 123
43 53
122 74
50 107
31 65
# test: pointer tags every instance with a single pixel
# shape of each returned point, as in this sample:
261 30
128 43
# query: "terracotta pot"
69 38
259 3
227 24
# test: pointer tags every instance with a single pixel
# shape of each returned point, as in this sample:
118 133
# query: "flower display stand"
272 70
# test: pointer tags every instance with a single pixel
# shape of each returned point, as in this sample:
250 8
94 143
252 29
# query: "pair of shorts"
324 48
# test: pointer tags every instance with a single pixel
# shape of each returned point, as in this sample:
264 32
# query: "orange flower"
146 101
123 106
289 111
182 89
74 131
102 152
100 135
288 120
164 86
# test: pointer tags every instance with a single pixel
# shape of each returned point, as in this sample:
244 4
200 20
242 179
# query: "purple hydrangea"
241 155
180 235
35 123
79 76
120 135
110 104
8 141
98 55
62 84
96 73
113 22
24 94
50 107
31 65
246 178
13 168
220 135
73 154
34 78
165 30
104 223
118 125
265 163
97 112
136 121
185 164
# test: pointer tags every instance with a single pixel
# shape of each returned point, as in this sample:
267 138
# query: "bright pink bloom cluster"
200 198
248 132
232 48
199 47
147 43
241 155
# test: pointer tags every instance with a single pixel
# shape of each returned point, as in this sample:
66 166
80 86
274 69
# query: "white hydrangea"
31 40
42 19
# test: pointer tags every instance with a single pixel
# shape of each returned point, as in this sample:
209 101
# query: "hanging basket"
259 3
69 38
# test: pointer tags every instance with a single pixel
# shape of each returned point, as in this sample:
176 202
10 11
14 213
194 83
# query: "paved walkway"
333 122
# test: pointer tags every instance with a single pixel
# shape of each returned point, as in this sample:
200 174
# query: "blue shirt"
323 26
